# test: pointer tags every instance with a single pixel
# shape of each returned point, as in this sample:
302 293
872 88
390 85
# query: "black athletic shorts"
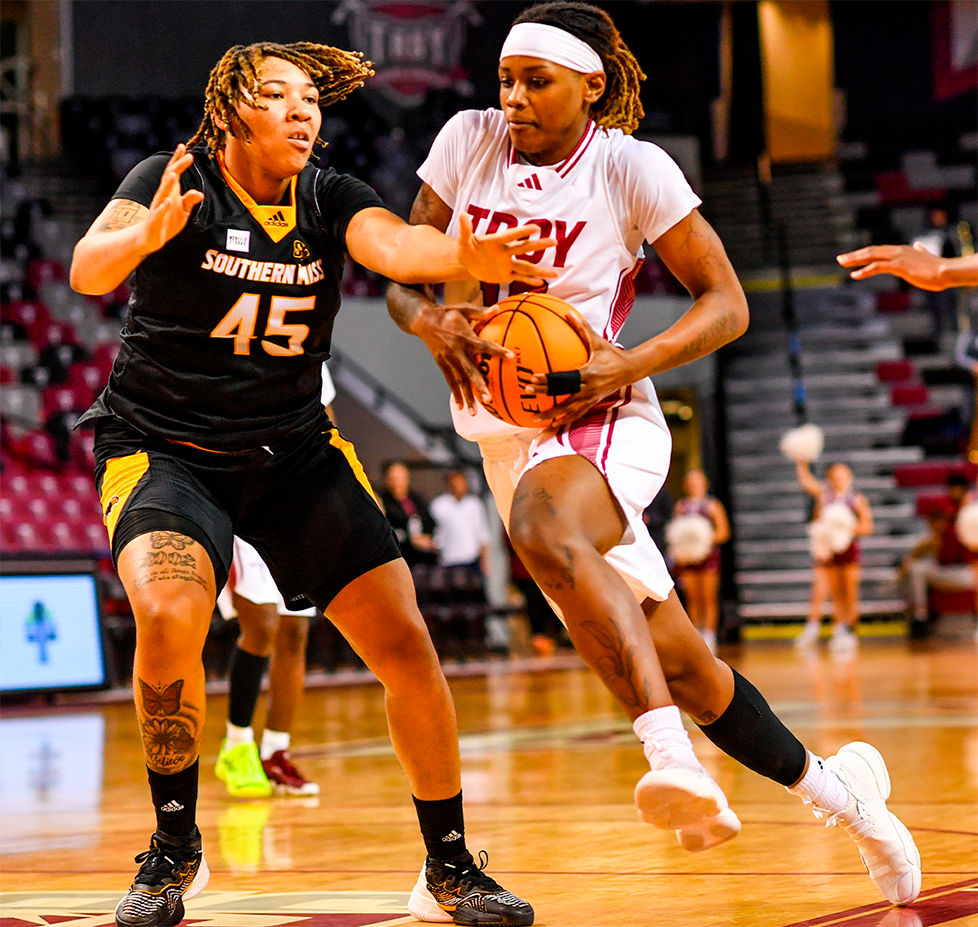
306 505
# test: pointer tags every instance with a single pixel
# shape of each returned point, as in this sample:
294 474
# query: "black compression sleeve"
754 735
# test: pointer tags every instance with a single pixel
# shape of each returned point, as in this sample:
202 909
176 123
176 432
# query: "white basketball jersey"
611 194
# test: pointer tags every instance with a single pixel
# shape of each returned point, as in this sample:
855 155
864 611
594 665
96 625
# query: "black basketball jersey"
230 321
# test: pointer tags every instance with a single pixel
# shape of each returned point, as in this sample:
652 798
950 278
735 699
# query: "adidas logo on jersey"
531 183
172 806
278 220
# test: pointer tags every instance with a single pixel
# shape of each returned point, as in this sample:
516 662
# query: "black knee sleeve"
244 685
753 735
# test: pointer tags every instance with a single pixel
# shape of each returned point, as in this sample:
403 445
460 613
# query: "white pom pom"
820 541
833 531
803 443
966 525
690 538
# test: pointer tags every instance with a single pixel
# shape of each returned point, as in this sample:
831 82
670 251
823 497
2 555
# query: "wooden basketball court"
548 771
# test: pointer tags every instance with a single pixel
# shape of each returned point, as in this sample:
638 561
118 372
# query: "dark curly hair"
620 106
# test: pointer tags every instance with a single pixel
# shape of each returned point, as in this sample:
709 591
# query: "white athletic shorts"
250 579
630 444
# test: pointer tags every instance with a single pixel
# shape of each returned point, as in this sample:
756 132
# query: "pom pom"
833 531
966 525
690 538
804 443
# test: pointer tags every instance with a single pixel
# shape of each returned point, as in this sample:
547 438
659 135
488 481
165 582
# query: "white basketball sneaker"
887 849
675 795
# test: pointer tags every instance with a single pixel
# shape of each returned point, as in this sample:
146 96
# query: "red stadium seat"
37 449
895 371
898 301
908 394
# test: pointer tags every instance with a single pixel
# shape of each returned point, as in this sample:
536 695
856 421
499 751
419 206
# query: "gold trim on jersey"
349 452
120 479
277 221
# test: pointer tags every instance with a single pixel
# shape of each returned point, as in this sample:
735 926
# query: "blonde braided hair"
237 78
620 106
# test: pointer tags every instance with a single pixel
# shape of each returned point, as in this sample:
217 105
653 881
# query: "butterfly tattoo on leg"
168 725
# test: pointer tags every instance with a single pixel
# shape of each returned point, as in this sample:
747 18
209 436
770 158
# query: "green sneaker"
239 768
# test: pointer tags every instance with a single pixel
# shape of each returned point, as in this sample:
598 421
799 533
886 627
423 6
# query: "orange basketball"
534 327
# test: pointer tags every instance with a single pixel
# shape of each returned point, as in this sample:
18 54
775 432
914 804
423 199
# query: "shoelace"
470 874
158 863
860 826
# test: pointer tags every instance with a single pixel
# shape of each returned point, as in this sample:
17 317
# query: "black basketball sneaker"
173 868
458 891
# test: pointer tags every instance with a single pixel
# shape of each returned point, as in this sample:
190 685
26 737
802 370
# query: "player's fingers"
528 269
586 333
531 246
478 346
465 235
518 233
870 270
178 153
190 199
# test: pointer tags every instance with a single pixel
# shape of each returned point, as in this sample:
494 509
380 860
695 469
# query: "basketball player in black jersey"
211 426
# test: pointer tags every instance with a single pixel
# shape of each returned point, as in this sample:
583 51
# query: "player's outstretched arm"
914 264
446 330
127 231
385 243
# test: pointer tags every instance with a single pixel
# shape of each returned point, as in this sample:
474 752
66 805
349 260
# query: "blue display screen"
50 632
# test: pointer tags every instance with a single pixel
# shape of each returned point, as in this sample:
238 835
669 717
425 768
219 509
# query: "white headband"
536 40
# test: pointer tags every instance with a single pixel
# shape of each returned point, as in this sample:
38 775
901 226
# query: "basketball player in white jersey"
273 638
558 155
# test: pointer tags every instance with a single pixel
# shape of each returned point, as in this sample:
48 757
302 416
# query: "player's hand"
170 211
494 258
606 372
448 334
914 264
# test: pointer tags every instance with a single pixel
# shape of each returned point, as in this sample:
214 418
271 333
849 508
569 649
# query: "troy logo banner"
414 47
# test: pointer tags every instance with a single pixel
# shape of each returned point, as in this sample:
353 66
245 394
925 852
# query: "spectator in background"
838 572
462 541
408 514
939 241
939 560
700 580
461 530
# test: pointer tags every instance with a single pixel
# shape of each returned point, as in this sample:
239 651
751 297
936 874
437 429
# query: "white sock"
663 727
237 736
273 741
821 786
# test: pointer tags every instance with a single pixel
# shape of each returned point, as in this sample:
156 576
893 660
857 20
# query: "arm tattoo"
720 331
425 208
170 727
168 560
121 216
616 666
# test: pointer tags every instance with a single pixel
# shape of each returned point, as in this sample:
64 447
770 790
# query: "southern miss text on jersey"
230 321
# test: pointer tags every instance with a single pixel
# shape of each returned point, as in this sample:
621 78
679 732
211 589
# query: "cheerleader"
699 576
841 517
